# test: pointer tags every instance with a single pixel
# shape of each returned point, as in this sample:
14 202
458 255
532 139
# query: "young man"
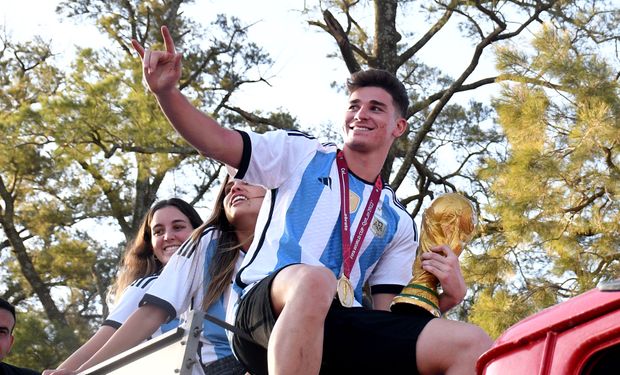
330 225
7 324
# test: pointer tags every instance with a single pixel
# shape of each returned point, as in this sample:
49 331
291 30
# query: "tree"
89 146
553 195
564 219
27 219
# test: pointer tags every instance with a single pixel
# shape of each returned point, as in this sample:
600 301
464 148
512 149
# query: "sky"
295 47
299 52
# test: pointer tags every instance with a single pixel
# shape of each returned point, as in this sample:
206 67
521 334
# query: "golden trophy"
449 220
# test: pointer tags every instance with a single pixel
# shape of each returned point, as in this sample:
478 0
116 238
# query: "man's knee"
471 338
480 341
312 285
461 345
457 337
470 342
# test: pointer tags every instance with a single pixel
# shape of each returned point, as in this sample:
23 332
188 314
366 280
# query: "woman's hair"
222 266
139 259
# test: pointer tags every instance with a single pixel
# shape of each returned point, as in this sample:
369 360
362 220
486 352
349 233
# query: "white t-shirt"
128 303
181 287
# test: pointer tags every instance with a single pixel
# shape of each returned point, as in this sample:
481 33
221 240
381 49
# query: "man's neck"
366 166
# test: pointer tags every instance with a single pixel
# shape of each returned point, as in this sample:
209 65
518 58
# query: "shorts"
224 366
356 340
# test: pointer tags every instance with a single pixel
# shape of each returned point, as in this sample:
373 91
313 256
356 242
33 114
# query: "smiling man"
329 226
7 324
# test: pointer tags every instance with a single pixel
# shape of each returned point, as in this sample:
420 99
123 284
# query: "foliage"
89 145
553 197
541 165
90 148
34 345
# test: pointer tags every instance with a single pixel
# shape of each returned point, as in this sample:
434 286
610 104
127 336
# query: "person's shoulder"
387 189
209 232
144 282
14 370
291 134
298 133
208 235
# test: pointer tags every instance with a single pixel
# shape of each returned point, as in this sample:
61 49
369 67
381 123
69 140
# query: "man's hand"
161 69
444 265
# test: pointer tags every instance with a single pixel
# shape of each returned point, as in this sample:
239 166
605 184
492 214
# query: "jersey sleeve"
128 301
393 270
271 158
180 284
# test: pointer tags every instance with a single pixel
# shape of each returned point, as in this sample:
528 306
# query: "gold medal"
345 291
349 201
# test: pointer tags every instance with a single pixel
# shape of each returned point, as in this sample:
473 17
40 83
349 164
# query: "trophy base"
409 309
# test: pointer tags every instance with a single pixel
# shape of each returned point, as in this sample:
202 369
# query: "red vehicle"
580 336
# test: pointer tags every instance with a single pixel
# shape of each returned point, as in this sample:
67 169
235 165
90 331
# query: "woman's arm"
86 351
138 327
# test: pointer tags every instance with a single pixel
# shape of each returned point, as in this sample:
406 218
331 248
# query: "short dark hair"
382 79
7 306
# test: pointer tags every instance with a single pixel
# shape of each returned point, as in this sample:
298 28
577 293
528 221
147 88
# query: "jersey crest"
379 226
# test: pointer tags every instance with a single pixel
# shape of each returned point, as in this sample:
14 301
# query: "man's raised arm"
162 71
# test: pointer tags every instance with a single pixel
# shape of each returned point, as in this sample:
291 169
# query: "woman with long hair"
199 276
166 225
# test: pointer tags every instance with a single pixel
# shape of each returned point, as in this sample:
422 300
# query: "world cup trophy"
449 220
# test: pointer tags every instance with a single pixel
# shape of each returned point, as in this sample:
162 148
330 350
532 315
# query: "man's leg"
362 341
450 347
301 296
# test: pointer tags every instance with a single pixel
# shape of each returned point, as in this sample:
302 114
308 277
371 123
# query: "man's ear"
400 128
10 344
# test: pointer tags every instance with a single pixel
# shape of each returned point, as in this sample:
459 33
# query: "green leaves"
89 147
555 195
90 151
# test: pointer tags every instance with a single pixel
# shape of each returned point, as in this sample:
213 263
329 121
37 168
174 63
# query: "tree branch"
411 51
334 28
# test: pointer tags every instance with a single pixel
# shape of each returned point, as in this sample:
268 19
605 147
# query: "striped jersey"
299 221
182 286
128 303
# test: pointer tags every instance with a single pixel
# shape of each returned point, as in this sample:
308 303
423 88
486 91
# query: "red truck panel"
558 340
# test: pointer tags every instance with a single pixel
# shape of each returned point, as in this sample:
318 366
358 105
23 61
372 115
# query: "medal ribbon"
351 251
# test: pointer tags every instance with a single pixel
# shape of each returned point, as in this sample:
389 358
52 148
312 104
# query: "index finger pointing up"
168 42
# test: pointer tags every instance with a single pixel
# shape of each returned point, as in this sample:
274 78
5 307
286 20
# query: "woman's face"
242 201
169 229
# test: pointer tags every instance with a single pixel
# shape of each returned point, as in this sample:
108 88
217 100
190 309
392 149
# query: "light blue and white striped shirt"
299 221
